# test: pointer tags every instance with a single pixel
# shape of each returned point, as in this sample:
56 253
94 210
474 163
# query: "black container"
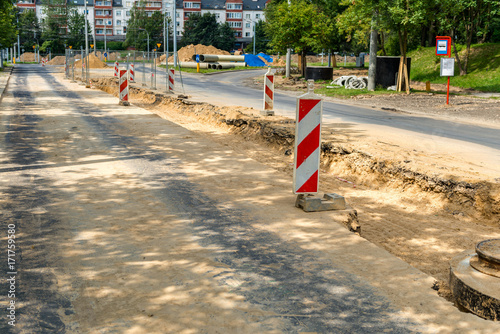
387 70
319 73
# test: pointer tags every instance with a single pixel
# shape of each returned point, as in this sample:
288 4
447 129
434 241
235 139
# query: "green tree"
261 39
76 29
139 26
54 24
466 19
300 25
7 26
29 29
204 29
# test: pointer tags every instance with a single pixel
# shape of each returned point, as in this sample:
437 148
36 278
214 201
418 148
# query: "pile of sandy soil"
186 53
94 62
58 60
28 57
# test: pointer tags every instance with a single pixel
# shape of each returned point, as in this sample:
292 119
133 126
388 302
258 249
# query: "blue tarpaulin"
254 61
268 58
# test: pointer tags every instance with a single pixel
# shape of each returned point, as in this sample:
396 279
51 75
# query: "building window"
118 22
98 12
233 15
127 13
235 24
247 16
118 13
257 16
247 34
98 31
118 32
192 5
129 4
247 25
233 6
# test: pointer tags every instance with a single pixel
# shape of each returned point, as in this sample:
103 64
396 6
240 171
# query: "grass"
483 69
206 70
342 92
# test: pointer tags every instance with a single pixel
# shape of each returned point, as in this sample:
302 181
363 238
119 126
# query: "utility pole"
372 67
175 33
288 58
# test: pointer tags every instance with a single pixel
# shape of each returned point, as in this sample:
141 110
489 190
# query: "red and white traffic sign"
171 83
131 73
269 90
307 142
123 88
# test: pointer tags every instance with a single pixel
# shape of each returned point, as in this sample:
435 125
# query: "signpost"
443 48
197 63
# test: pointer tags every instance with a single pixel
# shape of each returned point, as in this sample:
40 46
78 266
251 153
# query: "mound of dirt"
186 53
94 62
58 60
27 57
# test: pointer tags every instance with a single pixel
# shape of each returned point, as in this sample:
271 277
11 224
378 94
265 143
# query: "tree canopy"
140 26
300 25
204 29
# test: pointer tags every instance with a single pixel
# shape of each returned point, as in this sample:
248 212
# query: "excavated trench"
478 199
424 219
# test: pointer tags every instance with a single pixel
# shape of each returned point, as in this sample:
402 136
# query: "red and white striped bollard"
123 95
116 68
131 73
268 93
307 142
171 82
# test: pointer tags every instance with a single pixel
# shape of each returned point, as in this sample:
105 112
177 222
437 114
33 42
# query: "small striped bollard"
171 82
123 89
131 73
116 68
307 142
268 93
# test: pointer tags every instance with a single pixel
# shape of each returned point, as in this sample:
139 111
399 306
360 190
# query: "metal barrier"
100 64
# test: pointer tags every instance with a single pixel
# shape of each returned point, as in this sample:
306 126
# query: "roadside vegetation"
483 73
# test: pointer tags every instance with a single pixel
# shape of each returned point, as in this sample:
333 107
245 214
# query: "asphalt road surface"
116 231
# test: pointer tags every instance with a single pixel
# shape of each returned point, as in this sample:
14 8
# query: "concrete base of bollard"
327 203
267 113
124 103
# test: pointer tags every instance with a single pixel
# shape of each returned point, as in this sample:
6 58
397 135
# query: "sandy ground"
128 262
424 228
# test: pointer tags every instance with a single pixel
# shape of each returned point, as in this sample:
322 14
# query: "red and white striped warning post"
268 93
116 68
307 142
171 82
123 89
131 73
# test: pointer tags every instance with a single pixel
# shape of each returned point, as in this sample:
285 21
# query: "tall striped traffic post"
171 82
268 93
131 73
307 155
307 142
116 68
123 95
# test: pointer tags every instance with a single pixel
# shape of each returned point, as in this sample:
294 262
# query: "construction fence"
148 69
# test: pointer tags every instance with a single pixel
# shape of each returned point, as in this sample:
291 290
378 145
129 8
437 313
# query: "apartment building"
110 16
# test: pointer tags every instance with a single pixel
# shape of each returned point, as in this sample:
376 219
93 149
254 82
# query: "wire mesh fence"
148 69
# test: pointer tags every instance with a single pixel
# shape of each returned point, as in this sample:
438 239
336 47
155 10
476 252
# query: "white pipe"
216 58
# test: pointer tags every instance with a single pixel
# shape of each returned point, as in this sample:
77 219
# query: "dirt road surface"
125 222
